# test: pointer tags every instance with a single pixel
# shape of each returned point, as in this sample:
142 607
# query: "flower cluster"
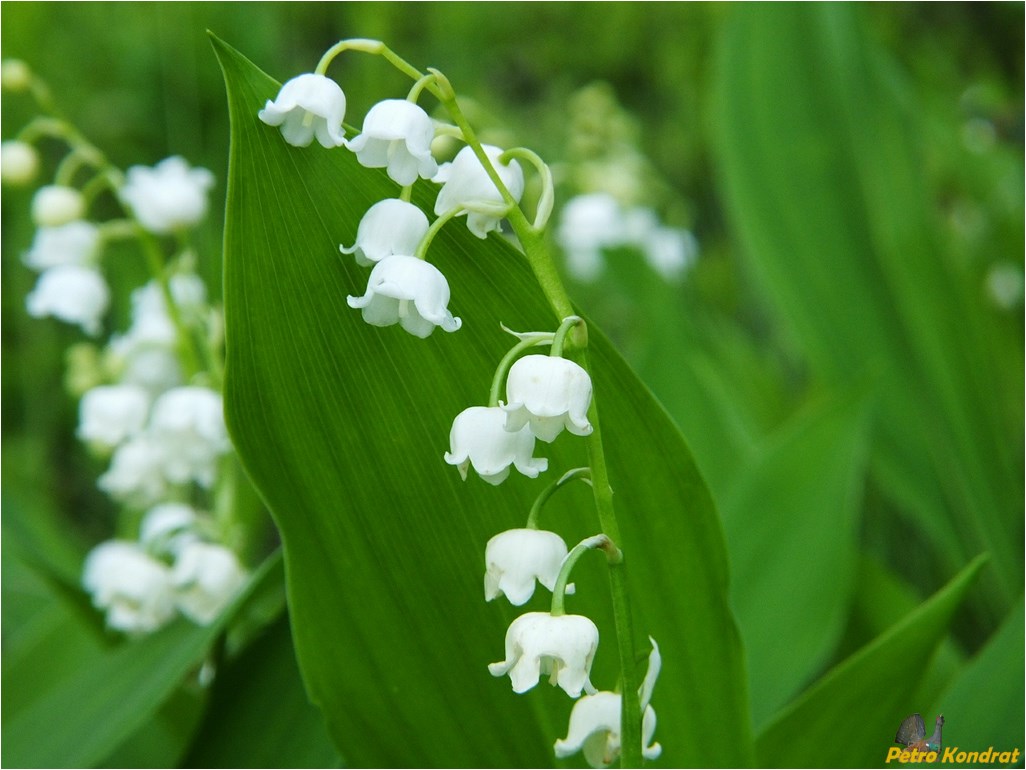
150 397
545 394
393 235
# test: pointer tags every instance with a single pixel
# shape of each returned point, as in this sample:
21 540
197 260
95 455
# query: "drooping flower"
167 527
391 226
74 243
55 205
168 196
19 162
206 577
72 293
397 135
133 588
407 291
479 438
595 723
548 393
670 251
136 472
514 559
562 646
306 106
188 423
110 414
467 184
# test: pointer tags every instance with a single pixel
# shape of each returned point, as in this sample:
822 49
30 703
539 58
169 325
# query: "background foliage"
850 391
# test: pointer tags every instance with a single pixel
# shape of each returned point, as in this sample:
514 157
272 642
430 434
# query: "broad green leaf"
258 715
83 718
984 706
849 716
342 428
796 504
825 187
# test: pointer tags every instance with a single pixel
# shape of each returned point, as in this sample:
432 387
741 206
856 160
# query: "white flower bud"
19 162
74 243
74 294
479 437
397 135
206 577
15 75
514 559
167 197
167 527
111 414
548 393
133 588
407 291
467 184
136 473
188 423
562 646
308 105
391 226
56 205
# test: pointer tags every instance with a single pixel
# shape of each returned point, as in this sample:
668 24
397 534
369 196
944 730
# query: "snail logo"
912 734
917 749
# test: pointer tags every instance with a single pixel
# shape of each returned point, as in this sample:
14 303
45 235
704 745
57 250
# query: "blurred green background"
845 358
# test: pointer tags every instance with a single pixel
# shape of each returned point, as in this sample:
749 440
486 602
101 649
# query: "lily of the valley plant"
545 395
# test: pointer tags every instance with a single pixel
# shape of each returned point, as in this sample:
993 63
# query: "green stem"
584 474
548 194
418 87
557 342
613 556
429 236
529 341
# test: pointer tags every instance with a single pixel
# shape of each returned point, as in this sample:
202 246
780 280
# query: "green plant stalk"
535 249
537 253
584 474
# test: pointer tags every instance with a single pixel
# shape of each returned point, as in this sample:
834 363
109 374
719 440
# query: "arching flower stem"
429 236
560 337
596 542
548 194
584 474
419 87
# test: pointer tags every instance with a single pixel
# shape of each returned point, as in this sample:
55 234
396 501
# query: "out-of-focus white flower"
136 472
132 587
479 438
670 251
15 75
397 135
407 291
55 205
75 243
514 559
72 293
206 577
562 646
19 162
168 196
167 527
588 224
188 423
467 184
109 414
308 105
1004 284
548 393
595 723
391 226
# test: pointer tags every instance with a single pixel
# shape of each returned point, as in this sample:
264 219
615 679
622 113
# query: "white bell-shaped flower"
110 414
55 205
595 723
467 184
133 588
72 293
306 106
391 226
167 527
169 196
548 393
19 162
514 559
136 472
188 422
670 251
75 243
397 135
479 438
206 577
562 646
407 291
